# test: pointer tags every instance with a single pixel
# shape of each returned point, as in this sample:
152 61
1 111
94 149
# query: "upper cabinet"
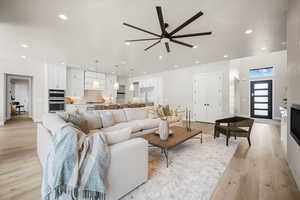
75 82
57 76
94 81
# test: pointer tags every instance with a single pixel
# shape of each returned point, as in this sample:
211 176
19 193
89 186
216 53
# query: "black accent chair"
234 126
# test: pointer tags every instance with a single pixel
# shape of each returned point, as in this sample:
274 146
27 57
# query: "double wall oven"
56 100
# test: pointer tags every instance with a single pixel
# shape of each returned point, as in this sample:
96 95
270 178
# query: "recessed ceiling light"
24 57
123 62
63 17
160 57
195 47
24 46
127 43
175 66
249 31
197 62
225 56
264 48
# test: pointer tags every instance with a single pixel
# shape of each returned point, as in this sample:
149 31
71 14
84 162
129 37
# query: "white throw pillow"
114 137
136 113
106 118
119 115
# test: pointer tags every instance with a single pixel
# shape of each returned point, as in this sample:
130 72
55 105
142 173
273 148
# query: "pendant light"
131 87
116 85
96 83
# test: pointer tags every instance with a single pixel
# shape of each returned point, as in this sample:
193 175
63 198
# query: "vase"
164 129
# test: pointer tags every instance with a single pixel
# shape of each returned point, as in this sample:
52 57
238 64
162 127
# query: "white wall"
278 60
27 68
293 43
178 84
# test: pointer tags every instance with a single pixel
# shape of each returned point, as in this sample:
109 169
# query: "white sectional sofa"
129 159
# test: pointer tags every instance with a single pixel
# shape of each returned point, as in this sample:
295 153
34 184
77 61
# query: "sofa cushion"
114 137
135 126
107 119
135 113
119 115
53 122
93 120
148 123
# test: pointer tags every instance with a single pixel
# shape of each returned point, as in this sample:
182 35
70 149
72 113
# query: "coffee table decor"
163 129
180 135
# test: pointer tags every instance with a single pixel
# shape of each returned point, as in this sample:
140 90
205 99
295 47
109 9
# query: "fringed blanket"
76 166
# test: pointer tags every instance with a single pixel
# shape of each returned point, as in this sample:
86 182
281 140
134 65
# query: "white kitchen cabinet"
75 82
91 78
57 76
109 91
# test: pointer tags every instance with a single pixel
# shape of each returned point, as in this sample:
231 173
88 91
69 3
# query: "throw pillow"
114 137
92 119
78 120
107 118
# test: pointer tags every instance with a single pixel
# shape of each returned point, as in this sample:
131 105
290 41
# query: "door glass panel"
261 86
261 105
260 92
261 112
261 99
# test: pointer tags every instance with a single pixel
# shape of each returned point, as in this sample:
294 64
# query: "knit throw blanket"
76 166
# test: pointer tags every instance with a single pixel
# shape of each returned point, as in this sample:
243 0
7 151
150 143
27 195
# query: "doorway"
261 99
18 97
207 97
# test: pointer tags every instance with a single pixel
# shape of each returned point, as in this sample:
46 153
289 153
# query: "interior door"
207 97
199 98
261 99
214 97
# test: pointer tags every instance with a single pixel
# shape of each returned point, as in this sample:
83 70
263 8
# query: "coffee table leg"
166 155
201 137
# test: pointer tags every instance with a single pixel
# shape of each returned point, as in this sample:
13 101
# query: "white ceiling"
95 31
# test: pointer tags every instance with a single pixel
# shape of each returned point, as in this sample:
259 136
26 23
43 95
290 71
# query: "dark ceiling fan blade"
152 45
139 40
187 22
192 35
161 19
182 43
167 47
140 29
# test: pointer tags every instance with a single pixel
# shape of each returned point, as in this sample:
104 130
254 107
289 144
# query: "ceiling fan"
165 36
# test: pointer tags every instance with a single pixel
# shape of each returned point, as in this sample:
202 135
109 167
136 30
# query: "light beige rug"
194 169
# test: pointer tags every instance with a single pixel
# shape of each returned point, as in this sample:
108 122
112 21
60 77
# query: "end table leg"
166 155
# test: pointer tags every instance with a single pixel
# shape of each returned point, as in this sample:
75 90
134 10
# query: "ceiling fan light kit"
166 37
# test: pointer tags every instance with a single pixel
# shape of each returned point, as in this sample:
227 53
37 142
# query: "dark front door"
261 99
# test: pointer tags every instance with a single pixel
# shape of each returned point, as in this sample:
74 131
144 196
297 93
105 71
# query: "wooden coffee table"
180 135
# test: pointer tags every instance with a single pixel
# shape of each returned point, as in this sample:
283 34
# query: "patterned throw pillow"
77 119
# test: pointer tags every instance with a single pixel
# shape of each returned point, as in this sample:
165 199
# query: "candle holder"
188 119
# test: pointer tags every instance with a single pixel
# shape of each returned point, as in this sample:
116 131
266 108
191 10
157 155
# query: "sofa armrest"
44 142
128 168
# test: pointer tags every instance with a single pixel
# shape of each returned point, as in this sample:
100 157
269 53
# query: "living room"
199 102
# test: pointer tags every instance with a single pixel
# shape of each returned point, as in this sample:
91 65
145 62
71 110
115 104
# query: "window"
261 72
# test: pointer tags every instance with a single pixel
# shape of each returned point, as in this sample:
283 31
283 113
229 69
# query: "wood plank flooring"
255 173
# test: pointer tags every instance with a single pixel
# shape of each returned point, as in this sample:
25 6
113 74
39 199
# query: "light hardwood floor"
255 173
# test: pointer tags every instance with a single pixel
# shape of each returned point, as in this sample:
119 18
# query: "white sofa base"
128 168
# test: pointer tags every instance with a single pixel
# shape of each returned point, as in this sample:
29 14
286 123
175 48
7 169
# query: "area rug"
193 173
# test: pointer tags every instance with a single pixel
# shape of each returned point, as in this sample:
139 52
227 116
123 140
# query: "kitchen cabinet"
75 82
109 91
57 75
93 77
